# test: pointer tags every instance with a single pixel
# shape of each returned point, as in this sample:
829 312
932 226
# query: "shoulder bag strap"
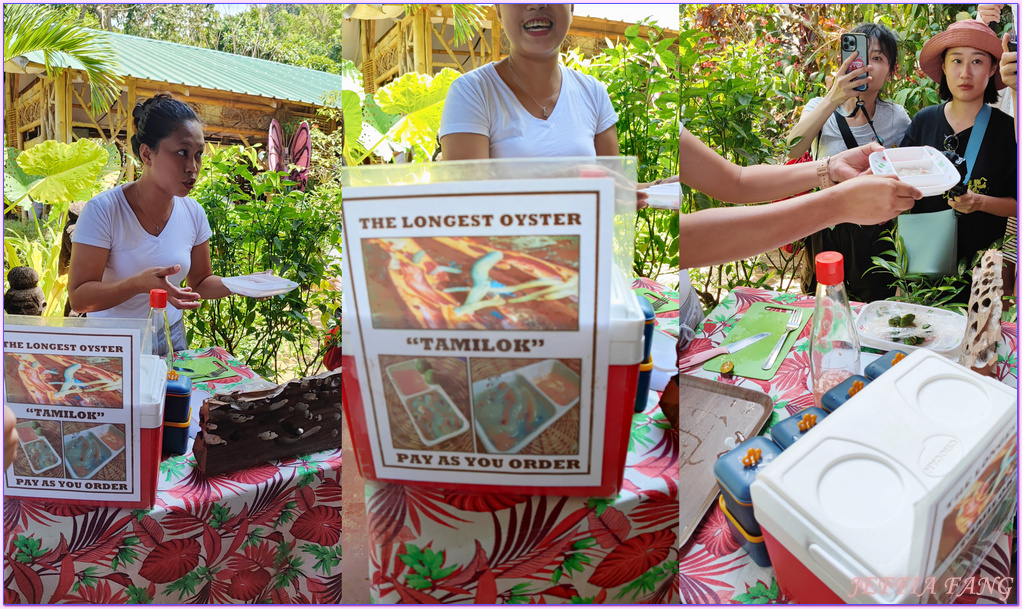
979 129
846 132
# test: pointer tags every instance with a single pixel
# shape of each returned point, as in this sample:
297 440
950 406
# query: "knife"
702 356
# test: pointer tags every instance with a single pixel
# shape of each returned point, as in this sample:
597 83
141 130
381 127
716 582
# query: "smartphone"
1013 40
851 44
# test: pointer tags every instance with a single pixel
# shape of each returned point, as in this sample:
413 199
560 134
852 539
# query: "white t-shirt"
480 102
890 121
108 222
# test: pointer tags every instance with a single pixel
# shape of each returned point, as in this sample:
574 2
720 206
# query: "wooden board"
711 414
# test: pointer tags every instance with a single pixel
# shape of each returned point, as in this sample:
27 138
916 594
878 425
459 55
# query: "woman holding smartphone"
964 60
868 119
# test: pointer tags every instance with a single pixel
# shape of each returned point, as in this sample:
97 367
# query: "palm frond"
29 28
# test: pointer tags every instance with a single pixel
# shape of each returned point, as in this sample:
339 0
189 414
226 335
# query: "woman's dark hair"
989 95
156 118
887 40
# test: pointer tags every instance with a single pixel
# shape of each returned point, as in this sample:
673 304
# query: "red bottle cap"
158 299
830 268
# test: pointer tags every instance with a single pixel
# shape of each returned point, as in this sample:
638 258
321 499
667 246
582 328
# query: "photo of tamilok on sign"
474 283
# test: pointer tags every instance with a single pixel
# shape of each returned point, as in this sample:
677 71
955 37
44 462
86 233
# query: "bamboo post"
129 164
419 41
62 107
494 36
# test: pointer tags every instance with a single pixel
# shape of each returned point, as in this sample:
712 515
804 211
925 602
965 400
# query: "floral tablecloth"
430 545
714 568
266 534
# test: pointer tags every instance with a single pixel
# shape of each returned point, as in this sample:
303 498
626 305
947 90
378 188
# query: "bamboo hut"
423 42
234 96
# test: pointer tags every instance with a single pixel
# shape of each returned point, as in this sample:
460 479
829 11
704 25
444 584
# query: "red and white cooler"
897 496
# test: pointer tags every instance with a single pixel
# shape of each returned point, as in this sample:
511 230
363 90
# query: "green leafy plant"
54 174
405 112
259 223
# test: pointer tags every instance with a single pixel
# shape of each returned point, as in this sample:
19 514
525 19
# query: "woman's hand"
853 162
988 13
967 203
873 199
843 86
1009 64
10 436
155 278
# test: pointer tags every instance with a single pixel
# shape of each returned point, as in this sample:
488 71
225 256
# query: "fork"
794 321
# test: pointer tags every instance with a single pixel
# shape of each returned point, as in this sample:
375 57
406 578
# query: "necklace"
511 66
138 203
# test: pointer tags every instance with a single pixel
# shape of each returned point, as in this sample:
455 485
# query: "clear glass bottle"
157 340
833 340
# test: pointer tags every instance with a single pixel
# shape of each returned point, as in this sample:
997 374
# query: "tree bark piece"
243 429
983 324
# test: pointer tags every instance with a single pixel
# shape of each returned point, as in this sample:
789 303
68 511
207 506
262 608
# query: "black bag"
858 245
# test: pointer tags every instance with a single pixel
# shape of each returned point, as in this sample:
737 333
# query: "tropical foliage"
29 28
53 174
260 223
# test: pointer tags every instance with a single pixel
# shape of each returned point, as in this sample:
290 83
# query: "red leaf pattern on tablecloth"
633 558
701 572
247 585
170 561
715 535
612 528
254 475
481 502
324 591
320 524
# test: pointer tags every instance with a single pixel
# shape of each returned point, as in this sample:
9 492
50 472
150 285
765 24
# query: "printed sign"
482 314
75 392
972 512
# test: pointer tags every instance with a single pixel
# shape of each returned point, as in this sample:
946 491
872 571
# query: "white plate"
259 285
664 196
921 166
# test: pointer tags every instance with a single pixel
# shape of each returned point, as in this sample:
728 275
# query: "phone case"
850 43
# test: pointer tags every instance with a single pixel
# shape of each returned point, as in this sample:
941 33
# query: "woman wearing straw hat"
963 59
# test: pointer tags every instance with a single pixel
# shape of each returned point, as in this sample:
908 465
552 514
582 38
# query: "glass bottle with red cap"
157 340
833 340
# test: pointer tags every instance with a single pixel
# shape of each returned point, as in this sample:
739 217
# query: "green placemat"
760 317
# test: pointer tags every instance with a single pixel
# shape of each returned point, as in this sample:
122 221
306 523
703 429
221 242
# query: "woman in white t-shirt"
148 234
528 104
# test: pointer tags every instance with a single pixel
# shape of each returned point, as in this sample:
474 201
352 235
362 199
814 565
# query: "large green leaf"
17 183
375 116
419 99
352 108
70 171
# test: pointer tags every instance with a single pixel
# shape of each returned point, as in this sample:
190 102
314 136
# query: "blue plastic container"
837 396
175 436
787 432
642 390
735 472
647 330
179 393
882 365
753 545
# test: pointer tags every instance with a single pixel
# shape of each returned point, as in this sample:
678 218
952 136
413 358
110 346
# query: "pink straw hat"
966 33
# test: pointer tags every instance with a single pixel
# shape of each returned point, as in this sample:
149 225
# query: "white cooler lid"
857 496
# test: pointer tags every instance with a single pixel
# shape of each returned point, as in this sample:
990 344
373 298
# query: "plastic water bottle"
157 340
833 341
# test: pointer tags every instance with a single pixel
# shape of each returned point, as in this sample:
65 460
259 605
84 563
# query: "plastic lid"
830 268
158 299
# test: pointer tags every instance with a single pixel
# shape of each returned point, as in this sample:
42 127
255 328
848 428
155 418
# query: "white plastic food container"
944 335
921 166
524 377
912 479
406 401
